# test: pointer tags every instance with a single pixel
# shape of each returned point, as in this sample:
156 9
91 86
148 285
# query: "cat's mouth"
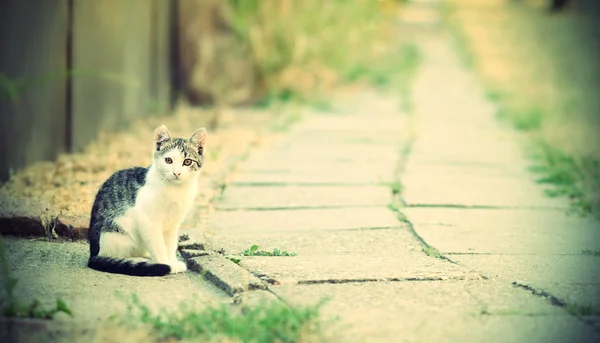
172 179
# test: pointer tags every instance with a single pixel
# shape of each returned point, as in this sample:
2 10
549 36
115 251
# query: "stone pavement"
475 252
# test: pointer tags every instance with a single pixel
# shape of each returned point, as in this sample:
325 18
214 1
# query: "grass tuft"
272 322
253 251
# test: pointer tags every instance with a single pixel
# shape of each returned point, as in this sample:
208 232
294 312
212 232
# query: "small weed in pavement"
395 187
10 306
253 251
591 252
431 251
234 260
273 322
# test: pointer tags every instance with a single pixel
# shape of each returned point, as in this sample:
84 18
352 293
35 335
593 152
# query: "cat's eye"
168 160
187 162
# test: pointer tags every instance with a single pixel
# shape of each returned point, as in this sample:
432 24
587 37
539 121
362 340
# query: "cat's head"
178 160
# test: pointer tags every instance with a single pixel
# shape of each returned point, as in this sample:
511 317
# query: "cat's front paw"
178 267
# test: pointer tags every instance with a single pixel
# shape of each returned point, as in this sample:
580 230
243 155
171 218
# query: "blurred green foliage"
305 47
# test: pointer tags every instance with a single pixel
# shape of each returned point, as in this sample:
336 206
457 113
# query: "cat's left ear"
198 139
161 135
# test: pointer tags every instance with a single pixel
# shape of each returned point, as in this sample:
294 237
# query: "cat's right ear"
161 135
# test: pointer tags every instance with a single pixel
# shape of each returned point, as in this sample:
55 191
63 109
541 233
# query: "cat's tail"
128 267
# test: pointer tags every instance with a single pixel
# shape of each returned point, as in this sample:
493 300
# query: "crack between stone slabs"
306 184
485 207
541 293
375 280
555 301
292 208
424 244
509 254
350 229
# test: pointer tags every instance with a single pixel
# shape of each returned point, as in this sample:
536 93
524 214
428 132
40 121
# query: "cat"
137 211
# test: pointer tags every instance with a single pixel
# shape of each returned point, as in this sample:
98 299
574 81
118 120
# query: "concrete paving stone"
365 101
228 222
448 122
417 160
512 231
47 270
304 197
370 243
364 123
340 174
361 145
225 274
452 110
349 153
474 187
458 311
571 278
255 298
402 265
279 162
329 135
422 166
474 152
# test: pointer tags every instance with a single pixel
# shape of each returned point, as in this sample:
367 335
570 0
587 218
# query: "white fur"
153 223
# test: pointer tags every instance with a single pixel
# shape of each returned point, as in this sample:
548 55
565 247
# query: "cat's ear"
198 139
161 135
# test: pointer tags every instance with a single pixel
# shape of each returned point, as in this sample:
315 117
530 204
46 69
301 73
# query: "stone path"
476 253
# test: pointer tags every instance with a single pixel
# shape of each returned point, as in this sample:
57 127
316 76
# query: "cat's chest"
166 203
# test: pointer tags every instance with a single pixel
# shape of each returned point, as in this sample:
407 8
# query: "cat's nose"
176 174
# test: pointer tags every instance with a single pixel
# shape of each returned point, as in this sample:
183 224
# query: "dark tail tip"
126 267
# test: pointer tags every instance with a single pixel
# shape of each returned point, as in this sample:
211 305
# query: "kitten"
137 211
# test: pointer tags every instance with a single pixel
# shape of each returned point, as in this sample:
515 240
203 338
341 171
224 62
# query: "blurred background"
70 69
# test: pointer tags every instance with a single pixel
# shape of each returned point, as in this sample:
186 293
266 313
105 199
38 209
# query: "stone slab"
330 155
327 135
474 188
370 243
272 197
332 149
227 222
484 150
404 266
461 155
574 279
361 122
461 311
418 165
504 231
254 299
335 175
47 270
225 274
278 162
